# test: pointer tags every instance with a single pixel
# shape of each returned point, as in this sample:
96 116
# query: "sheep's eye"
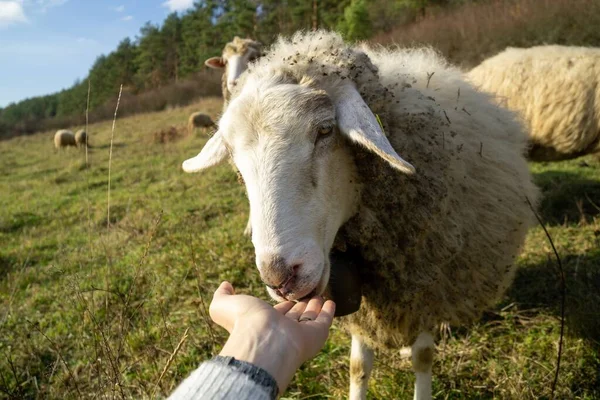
325 130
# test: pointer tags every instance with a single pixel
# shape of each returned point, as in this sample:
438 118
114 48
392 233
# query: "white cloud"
178 5
120 8
11 12
127 18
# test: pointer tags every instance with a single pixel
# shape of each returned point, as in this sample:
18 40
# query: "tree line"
175 50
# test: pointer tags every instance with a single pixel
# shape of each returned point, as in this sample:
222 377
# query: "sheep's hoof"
344 282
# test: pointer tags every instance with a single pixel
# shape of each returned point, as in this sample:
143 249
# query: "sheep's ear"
213 153
215 63
357 122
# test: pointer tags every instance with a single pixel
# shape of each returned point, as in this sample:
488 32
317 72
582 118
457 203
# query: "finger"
284 307
312 309
296 311
327 312
218 305
225 288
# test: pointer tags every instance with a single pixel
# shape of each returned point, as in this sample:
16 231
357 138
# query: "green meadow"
111 302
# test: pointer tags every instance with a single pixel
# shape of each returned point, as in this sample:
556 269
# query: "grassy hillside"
468 34
91 311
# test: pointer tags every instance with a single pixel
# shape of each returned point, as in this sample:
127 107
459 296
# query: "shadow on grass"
567 197
539 286
7 264
19 221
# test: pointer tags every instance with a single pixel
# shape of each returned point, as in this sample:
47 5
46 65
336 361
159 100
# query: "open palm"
304 325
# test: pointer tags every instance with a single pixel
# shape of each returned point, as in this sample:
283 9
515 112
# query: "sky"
46 45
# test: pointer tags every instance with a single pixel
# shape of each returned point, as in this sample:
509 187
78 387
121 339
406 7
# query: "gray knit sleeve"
224 378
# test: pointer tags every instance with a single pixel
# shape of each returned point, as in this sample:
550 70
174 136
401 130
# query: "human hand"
276 338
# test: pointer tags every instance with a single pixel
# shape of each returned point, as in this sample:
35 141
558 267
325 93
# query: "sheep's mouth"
304 292
293 295
305 298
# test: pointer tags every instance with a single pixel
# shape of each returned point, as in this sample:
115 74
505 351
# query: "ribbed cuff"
257 374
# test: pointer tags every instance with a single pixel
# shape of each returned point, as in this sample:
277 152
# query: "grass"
88 311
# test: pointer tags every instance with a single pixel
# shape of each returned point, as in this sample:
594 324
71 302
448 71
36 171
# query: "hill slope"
88 311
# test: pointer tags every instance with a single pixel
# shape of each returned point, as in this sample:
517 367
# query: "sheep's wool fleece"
439 245
80 137
64 138
556 90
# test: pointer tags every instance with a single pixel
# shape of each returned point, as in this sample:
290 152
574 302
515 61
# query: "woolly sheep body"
64 138
80 138
442 243
199 120
555 89
439 245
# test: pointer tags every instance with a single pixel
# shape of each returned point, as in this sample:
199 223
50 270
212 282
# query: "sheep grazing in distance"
199 120
81 138
64 138
234 59
555 89
371 148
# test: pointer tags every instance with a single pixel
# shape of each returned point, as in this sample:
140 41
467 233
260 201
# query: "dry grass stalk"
563 295
112 136
14 290
87 122
104 346
55 347
87 165
203 308
122 331
170 360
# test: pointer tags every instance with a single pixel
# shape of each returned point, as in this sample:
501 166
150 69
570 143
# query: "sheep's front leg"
361 364
422 360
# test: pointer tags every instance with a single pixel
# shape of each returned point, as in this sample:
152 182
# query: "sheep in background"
64 138
555 89
235 58
81 138
316 129
199 120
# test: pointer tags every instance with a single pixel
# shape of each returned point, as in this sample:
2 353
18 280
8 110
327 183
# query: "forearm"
224 378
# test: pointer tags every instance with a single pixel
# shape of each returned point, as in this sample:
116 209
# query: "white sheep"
234 60
64 138
81 138
316 130
555 89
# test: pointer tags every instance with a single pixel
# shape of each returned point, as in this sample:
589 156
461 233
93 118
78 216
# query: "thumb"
224 289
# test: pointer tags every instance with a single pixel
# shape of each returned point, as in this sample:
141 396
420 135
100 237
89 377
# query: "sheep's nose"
277 274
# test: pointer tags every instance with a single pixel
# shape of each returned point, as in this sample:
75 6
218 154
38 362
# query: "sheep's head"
292 145
235 58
